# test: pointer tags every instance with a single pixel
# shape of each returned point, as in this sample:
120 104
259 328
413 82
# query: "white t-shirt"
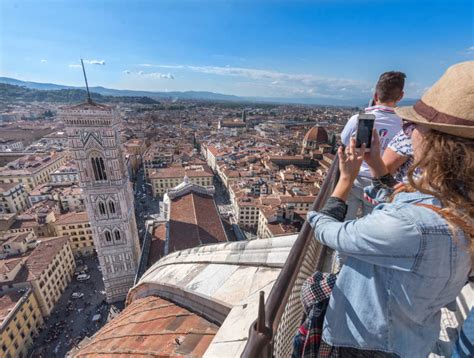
387 123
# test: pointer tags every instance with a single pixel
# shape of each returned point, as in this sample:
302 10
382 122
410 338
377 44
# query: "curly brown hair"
447 173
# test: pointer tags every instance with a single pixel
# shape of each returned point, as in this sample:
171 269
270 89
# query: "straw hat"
448 106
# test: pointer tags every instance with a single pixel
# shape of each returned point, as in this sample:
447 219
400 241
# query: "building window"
98 167
111 207
117 235
101 208
108 237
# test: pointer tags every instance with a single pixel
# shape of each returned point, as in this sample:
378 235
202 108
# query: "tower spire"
89 100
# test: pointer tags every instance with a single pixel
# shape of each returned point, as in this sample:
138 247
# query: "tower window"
117 235
108 236
111 207
101 208
98 167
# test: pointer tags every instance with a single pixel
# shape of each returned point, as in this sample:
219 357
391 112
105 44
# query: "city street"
145 204
72 318
221 196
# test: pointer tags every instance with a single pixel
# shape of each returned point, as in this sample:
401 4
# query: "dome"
316 134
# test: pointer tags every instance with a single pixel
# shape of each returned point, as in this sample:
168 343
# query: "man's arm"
393 160
349 130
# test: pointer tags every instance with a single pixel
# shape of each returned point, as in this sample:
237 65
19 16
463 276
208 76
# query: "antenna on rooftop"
89 100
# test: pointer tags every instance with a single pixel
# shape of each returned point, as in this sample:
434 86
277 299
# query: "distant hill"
10 93
193 95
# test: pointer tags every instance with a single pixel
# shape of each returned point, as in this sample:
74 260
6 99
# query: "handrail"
260 340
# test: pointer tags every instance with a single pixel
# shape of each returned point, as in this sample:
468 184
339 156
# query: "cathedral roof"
316 134
219 283
151 327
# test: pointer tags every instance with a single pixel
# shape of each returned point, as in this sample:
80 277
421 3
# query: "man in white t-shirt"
388 92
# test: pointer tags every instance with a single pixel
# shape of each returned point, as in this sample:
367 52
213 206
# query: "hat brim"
408 113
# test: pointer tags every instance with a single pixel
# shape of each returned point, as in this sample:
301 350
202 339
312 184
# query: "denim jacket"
403 265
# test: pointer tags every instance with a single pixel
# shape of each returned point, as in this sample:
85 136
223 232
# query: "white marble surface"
230 274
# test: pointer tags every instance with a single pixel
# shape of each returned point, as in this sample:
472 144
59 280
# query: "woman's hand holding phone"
350 160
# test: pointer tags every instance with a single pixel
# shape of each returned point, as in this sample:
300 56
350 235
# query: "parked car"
77 295
83 277
82 268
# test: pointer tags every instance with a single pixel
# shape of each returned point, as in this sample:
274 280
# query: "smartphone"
365 125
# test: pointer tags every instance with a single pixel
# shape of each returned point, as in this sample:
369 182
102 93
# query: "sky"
296 49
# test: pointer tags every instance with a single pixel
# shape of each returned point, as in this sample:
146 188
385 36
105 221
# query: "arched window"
98 167
108 236
117 235
101 208
111 207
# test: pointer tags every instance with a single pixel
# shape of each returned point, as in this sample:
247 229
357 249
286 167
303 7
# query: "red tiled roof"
157 246
178 173
7 302
194 221
72 218
152 327
43 255
317 134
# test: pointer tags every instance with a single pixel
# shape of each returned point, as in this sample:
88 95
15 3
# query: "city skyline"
265 49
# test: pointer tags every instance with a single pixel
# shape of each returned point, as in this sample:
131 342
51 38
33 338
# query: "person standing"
412 255
388 92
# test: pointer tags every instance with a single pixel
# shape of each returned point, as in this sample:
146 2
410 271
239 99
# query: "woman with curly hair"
411 256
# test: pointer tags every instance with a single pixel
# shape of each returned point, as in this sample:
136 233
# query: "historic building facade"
93 131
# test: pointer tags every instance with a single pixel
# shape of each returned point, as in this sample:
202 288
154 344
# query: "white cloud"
163 75
74 66
172 66
127 72
95 62
470 50
294 83
44 61
161 66
156 75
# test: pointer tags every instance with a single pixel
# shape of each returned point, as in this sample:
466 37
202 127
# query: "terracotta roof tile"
194 221
7 303
152 327
72 218
43 254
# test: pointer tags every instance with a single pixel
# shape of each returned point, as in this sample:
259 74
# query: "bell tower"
94 142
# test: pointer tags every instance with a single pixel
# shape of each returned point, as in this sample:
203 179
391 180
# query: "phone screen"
364 132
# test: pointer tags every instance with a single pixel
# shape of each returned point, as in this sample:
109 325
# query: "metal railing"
271 335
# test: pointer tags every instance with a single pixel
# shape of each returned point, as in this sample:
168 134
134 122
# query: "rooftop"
151 327
43 255
219 283
7 302
194 221
179 173
73 218
5 187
